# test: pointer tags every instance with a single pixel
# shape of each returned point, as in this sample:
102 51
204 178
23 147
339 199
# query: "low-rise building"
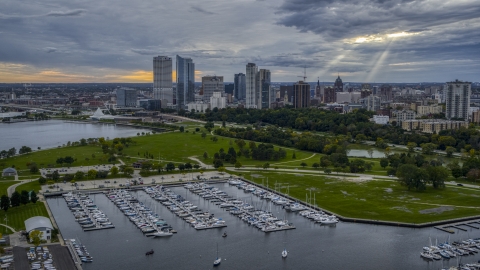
426 110
198 106
432 125
9 172
403 115
217 101
381 119
41 224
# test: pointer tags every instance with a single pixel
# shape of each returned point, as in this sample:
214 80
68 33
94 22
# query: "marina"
309 245
143 217
86 213
261 219
289 205
184 209
463 226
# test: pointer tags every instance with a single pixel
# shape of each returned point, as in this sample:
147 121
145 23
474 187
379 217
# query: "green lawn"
17 215
7 178
45 157
28 186
378 200
4 186
177 146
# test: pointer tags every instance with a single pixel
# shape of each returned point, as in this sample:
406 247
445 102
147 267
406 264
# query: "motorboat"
162 233
284 253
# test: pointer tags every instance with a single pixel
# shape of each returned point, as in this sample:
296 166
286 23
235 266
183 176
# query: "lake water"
310 246
364 153
52 133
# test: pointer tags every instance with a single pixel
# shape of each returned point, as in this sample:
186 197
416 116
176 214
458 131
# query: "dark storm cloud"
344 19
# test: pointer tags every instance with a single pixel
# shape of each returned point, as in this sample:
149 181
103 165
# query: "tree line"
24 197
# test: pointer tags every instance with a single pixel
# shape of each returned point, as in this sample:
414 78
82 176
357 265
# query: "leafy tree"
83 142
266 165
315 165
294 156
42 180
205 155
147 165
413 177
4 202
69 160
15 199
214 138
11 152
114 171
36 237
92 174
102 174
204 135
238 165
188 166
450 150
411 147
128 171
60 161
383 163
360 138
170 167
33 167
25 150
33 196
182 128
303 164
79 175
437 176
181 167
221 169
24 198
325 162
217 163
196 166
55 176
327 171
473 174
428 148
240 143
209 126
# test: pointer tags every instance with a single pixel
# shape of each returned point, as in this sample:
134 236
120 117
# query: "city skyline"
381 41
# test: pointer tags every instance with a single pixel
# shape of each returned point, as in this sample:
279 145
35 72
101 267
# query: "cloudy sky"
362 40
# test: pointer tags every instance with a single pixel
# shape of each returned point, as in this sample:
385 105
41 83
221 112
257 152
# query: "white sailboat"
218 260
284 253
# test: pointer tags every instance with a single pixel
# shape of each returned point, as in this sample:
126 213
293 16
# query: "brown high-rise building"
365 93
329 95
386 92
301 97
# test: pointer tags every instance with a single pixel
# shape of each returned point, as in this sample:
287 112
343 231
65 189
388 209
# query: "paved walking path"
296 160
4 225
11 188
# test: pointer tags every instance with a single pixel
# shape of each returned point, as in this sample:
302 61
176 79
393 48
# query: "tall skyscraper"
329 95
185 82
338 85
301 95
162 79
250 81
240 89
211 84
126 97
263 90
386 93
318 91
457 99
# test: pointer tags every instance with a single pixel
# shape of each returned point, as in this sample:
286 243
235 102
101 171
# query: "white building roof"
37 222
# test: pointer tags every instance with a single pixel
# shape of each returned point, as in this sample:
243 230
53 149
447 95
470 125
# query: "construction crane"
304 74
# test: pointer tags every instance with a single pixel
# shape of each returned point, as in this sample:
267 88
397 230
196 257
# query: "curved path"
296 160
12 229
11 188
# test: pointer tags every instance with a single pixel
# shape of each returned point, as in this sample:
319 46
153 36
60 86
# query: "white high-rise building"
250 80
162 79
218 101
457 99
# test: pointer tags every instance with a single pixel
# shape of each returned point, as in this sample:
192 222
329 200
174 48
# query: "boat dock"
475 224
83 208
184 209
137 212
261 219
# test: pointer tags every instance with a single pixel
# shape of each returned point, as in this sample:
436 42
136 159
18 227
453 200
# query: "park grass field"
377 200
45 157
4 186
29 186
178 146
17 215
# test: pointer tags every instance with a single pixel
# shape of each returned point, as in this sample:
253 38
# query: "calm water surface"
52 133
310 246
